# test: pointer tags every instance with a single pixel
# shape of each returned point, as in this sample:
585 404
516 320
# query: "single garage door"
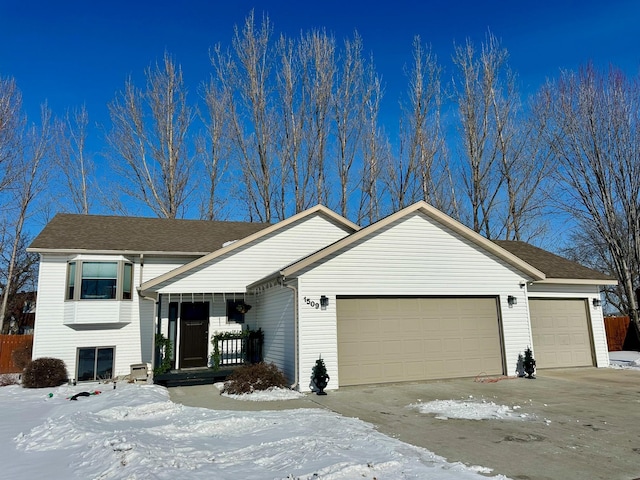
404 339
560 330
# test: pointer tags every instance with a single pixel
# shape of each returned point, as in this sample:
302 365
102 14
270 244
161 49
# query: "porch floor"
193 376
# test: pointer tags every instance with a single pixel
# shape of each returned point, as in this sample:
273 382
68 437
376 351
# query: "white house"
414 296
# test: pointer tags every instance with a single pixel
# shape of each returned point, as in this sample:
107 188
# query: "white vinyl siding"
413 256
237 269
275 311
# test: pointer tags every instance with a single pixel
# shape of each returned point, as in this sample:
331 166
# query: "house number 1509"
311 303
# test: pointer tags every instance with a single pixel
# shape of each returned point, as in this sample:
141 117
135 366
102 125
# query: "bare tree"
29 181
412 175
150 140
11 124
245 76
375 153
318 50
70 156
596 141
215 149
352 94
296 171
475 92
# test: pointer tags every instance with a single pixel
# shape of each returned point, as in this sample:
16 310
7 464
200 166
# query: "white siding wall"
589 292
414 256
52 338
275 311
234 271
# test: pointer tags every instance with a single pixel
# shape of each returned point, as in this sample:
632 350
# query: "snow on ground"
136 432
624 359
471 410
270 395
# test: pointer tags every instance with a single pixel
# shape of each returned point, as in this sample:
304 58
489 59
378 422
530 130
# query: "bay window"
99 280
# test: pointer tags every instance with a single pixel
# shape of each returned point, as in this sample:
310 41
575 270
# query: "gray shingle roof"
99 233
553 266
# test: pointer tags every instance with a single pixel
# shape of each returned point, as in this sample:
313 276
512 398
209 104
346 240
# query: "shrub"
9 379
44 372
249 378
21 357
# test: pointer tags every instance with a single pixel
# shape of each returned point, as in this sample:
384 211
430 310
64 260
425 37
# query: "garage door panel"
418 338
560 331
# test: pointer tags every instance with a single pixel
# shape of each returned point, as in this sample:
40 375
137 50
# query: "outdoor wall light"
596 302
324 302
511 300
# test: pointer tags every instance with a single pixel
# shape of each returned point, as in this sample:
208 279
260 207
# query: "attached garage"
383 340
561 333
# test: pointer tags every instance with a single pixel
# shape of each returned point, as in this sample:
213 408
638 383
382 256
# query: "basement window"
94 363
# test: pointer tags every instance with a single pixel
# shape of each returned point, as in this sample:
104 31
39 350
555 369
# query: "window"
99 280
126 281
71 280
94 363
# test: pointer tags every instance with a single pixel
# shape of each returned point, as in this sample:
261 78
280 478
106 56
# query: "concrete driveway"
582 423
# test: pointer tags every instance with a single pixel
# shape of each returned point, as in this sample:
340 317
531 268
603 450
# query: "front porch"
201 338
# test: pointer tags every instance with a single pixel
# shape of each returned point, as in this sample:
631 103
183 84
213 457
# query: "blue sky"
75 52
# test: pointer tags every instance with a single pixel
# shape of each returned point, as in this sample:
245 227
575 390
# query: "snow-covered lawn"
136 432
624 359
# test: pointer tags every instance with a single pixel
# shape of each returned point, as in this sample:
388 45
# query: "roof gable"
345 224
427 210
112 234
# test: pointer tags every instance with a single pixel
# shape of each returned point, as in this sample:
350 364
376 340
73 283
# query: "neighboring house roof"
110 234
555 268
419 207
318 209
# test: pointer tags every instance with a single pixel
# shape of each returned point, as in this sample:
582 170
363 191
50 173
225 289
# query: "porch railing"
239 348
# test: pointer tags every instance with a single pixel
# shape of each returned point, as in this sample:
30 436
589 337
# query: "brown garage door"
404 339
560 330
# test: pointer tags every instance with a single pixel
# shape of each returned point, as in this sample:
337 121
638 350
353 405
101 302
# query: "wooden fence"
9 344
616 328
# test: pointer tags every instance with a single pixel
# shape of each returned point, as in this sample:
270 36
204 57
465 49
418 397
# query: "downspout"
158 302
295 331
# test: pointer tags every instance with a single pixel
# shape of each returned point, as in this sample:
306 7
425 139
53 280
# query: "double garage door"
560 330
405 339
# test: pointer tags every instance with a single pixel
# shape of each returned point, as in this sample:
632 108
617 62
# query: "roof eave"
577 281
66 251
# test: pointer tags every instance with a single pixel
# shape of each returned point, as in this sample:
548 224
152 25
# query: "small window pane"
99 270
126 281
104 365
86 364
71 280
